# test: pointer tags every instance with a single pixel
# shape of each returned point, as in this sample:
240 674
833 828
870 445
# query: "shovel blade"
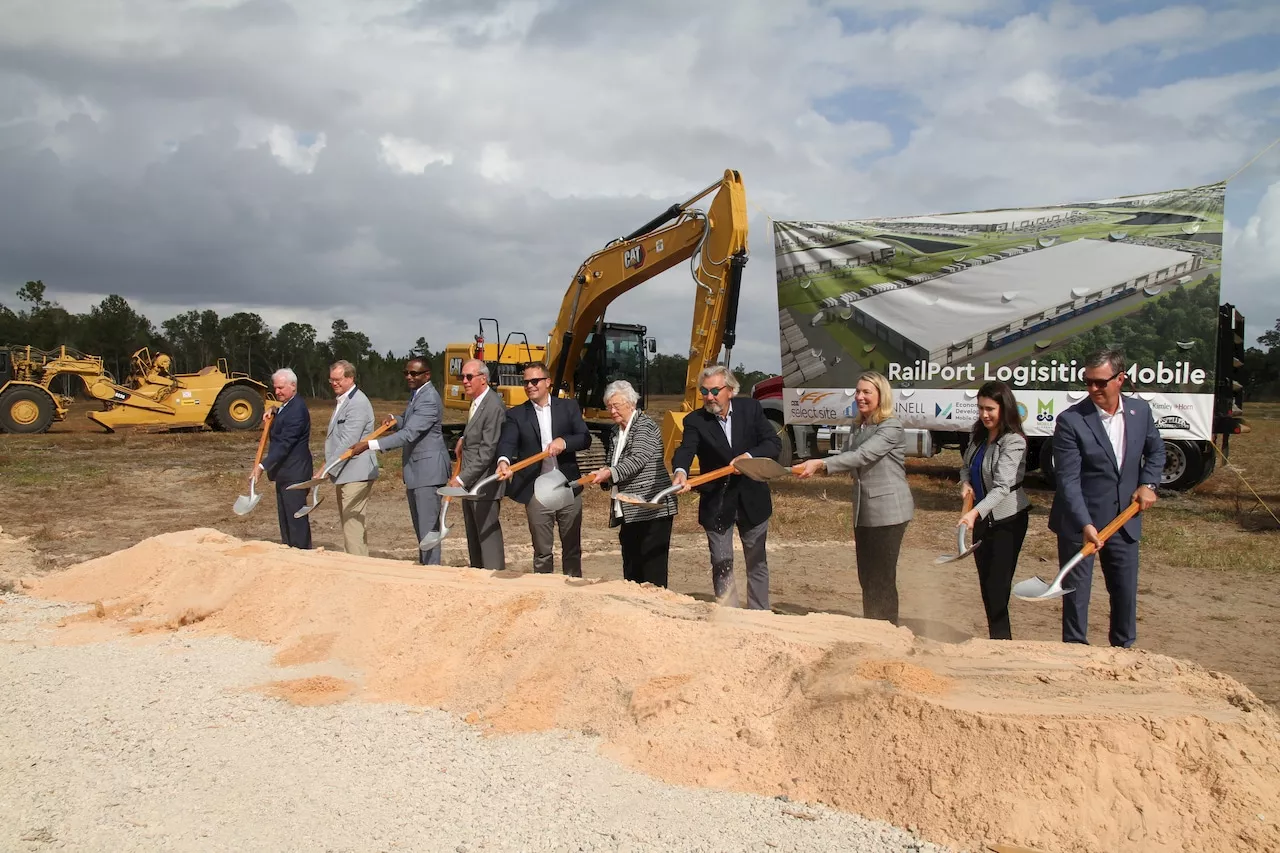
636 500
1033 589
452 492
432 539
760 469
245 503
552 490
306 509
309 484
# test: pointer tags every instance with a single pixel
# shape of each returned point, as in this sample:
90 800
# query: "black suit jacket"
288 458
734 498
522 438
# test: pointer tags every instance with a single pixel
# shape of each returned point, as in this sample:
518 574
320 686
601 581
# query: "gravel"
157 744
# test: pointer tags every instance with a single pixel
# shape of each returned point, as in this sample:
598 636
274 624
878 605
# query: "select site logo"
814 397
1044 410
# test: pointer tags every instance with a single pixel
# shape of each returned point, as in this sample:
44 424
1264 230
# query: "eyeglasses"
336 381
535 381
414 372
1101 383
615 407
705 391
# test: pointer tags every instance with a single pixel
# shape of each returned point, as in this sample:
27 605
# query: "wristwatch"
1151 486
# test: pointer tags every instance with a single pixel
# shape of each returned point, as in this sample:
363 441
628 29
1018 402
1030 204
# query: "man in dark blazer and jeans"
724 429
288 460
1107 453
545 422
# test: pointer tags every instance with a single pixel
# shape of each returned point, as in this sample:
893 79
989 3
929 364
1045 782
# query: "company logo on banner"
1184 416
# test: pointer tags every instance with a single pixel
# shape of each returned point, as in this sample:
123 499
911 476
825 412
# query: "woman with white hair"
637 467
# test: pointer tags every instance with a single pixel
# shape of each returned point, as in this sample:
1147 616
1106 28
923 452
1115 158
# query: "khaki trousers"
352 499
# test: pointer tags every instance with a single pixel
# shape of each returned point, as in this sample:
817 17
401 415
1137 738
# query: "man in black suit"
727 428
289 459
555 425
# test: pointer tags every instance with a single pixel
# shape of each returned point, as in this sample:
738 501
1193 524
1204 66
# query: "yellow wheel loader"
151 397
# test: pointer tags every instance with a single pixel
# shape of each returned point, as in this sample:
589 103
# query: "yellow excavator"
151 397
584 353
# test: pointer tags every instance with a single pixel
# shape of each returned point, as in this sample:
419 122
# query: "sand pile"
1054 747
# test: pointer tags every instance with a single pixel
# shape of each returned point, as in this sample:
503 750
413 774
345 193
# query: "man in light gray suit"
352 419
479 460
426 460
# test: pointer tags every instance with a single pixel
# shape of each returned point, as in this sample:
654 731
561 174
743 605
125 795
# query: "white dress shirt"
1114 425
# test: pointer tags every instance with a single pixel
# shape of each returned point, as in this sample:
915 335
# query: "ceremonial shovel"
244 503
474 493
756 469
315 483
435 537
554 491
1035 588
962 550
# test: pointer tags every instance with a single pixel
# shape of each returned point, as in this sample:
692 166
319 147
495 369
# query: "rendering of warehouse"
851 253
954 317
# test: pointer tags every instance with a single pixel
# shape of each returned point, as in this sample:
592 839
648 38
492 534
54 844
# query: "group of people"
1107 452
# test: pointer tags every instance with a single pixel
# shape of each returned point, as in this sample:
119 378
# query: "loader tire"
238 407
25 410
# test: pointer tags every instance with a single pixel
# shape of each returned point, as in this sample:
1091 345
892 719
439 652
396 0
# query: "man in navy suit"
545 422
724 429
289 459
1107 453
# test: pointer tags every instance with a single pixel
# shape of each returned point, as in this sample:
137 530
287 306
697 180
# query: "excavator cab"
616 351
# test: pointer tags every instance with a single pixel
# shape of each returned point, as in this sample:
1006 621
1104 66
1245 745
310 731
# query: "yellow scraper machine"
150 397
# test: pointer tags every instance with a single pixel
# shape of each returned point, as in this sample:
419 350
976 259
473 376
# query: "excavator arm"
715 242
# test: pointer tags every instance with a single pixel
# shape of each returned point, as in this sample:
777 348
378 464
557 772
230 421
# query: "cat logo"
815 396
633 257
1044 410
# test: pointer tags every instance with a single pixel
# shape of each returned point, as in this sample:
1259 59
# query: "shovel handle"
457 466
347 454
1109 531
532 460
967 504
710 475
262 444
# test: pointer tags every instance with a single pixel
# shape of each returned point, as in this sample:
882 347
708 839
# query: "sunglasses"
414 372
1101 383
467 377
705 391
535 381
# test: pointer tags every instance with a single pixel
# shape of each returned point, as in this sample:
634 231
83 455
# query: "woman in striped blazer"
637 467
994 464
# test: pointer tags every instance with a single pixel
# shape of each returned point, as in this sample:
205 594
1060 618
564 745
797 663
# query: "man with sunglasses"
727 428
482 516
545 422
425 458
1107 453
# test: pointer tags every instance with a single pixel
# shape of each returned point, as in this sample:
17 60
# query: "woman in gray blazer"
994 464
882 500
636 466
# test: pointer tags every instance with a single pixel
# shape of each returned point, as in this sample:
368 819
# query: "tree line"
114 330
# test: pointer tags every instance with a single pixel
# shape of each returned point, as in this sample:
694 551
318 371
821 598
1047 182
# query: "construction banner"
941 303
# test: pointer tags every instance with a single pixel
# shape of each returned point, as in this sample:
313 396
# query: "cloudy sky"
410 165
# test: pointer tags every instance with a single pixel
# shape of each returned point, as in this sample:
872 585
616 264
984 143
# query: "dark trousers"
877 551
483 521
645 545
294 532
1120 571
999 544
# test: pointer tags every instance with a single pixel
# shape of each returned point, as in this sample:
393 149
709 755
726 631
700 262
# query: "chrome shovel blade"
962 550
452 492
435 537
316 498
1035 589
552 490
245 503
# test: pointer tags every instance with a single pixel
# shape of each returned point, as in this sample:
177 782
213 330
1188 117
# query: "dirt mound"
1051 746
18 560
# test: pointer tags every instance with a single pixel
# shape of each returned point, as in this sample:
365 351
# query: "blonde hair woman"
882 499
